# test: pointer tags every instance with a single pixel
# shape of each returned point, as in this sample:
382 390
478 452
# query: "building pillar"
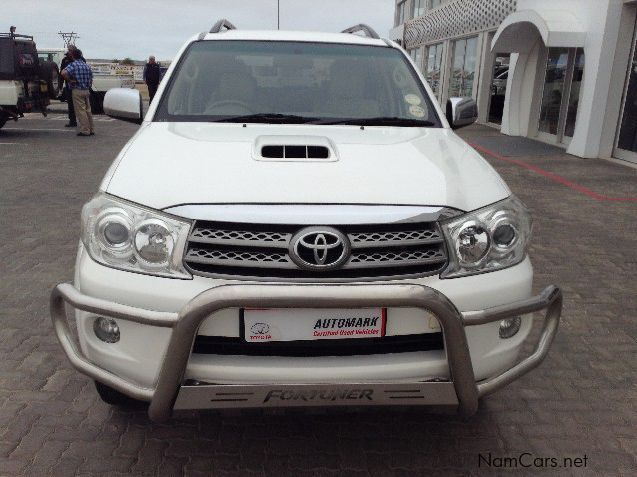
599 51
519 111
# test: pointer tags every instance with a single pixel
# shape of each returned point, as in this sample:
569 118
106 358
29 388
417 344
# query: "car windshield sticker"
416 111
399 77
412 99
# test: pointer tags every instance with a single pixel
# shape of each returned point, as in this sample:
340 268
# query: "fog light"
510 327
106 329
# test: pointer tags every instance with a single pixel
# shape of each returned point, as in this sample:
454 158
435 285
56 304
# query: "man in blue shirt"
80 78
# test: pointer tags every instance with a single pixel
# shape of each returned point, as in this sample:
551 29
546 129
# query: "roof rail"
223 23
369 31
15 35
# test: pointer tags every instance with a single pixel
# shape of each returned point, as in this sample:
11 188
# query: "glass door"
560 98
498 92
573 97
627 134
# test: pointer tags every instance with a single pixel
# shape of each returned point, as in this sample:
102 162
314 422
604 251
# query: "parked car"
295 223
102 83
26 83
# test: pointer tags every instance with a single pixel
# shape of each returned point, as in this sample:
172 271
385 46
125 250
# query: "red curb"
554 177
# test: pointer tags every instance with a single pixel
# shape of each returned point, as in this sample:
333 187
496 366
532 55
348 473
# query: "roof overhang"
519 31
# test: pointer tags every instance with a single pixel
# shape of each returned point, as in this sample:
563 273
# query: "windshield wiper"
265 118
379 121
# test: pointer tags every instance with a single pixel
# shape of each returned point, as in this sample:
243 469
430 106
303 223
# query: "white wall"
599 49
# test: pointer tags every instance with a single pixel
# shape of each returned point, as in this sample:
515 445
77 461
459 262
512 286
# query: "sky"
116 29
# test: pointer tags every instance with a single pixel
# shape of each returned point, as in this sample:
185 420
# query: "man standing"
151 76
66 61
80 76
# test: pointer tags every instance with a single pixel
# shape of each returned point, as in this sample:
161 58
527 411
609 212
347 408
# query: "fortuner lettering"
316 395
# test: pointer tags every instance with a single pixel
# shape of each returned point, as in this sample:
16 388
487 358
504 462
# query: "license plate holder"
310 324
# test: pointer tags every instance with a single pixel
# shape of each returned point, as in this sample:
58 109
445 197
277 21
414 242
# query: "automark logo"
319 248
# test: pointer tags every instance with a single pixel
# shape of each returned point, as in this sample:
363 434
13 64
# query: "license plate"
264 325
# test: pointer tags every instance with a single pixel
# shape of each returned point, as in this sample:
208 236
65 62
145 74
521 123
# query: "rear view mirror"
124 104
461 112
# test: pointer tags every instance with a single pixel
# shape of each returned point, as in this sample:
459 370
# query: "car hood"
170 164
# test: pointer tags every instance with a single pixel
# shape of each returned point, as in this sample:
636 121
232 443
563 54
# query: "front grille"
260 251
222 345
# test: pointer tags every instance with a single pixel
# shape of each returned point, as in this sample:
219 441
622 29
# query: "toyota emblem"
319 248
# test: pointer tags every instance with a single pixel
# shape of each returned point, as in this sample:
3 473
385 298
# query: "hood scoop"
294 148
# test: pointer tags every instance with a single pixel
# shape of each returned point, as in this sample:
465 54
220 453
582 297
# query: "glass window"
463 67
294 82
556 68
434 3
416 55
400 13
433 64
573 99
420 7
628 129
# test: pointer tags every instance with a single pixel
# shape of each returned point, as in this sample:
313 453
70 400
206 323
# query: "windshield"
295 82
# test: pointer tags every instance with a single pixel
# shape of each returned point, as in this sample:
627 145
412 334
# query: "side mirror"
461 112
125 104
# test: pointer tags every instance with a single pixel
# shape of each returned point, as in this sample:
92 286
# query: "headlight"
487 239
129 237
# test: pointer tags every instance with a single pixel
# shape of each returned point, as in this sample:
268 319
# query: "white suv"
295 223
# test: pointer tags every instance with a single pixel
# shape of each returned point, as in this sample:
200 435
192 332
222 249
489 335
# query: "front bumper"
170 392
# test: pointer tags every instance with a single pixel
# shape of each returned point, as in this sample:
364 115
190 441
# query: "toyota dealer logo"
319 248
260 329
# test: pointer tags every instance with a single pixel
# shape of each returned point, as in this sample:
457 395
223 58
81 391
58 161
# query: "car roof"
277 35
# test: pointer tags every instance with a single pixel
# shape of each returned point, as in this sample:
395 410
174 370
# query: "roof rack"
223 23
369 31
15 35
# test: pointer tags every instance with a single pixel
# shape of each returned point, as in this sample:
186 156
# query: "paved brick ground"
581 401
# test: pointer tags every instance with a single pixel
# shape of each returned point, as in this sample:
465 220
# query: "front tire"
115 398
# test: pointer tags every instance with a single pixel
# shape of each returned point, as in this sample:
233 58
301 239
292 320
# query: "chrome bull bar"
462 388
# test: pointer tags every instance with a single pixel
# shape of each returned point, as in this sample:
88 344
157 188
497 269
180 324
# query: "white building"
560 71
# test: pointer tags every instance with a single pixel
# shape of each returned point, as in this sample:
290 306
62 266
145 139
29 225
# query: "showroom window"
554 86
416 55
627 135
463 67
420 7
401 13
433 66
573 100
